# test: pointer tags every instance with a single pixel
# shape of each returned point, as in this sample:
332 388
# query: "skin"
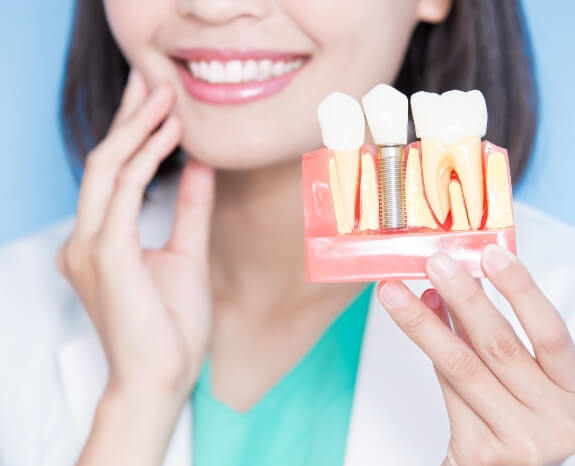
210 287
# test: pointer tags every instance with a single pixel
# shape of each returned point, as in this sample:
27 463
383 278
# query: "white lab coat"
52 368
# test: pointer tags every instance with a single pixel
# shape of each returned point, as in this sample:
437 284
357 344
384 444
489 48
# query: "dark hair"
483 44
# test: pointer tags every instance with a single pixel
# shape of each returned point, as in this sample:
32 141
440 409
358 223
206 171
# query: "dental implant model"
378 213
386 110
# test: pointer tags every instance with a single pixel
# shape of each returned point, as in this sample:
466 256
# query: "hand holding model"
151 308
505 405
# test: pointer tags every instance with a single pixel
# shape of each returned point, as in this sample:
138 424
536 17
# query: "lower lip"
240 93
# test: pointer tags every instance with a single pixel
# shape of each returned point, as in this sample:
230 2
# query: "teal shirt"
302 420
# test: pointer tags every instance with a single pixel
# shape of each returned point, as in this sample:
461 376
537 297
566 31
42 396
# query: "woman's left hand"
505 406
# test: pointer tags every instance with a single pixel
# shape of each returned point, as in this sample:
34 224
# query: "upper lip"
221 54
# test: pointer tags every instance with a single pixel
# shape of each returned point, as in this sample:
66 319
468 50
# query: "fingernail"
442 267
394 295
431 299
497 258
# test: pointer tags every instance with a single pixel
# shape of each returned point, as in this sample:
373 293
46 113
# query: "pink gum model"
371 256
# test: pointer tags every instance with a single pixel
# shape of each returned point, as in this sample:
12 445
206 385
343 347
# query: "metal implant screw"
391 174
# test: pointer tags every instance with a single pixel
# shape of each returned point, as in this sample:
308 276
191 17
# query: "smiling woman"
153 300
479 45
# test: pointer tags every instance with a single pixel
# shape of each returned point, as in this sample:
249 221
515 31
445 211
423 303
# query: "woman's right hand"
151 308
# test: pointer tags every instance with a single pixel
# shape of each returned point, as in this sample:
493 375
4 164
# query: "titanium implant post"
391 186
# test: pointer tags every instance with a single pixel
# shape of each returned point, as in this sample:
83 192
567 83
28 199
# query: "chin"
240 146
229 154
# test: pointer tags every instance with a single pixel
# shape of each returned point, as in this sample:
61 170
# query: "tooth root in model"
343 130
418 213
347 163
369 214
499 207
342 221
386 110
450 127
458 212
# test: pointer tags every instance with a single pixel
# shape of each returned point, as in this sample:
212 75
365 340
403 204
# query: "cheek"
361 42
133 24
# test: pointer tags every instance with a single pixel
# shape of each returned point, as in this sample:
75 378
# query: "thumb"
191 228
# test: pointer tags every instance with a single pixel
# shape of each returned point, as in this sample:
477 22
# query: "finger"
459 329
131 134
546 329
134 96
192 221
465 424
458 326
461 366
104 163
121 221
490 334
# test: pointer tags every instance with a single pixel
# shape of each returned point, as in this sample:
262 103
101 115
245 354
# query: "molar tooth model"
377 213
450 127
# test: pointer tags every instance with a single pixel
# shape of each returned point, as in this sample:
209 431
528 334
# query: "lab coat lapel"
397 402
84 373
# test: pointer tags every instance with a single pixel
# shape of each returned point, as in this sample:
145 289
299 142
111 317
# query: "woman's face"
314 46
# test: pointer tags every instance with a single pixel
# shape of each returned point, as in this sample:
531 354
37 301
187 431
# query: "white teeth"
195 69
342 122
236 71
265 71
216 72
278 69
386 110
250 70
204 70
450 116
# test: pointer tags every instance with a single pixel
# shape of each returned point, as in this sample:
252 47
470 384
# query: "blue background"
36 183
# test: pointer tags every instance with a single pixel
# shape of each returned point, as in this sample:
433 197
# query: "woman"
197 296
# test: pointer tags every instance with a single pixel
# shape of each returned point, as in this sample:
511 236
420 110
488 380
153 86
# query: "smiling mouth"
242 71
231 77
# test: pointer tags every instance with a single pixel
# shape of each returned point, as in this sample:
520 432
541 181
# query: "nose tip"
217 12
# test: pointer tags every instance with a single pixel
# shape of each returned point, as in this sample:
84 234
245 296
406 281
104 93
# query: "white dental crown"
342 122
386 110
450 116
